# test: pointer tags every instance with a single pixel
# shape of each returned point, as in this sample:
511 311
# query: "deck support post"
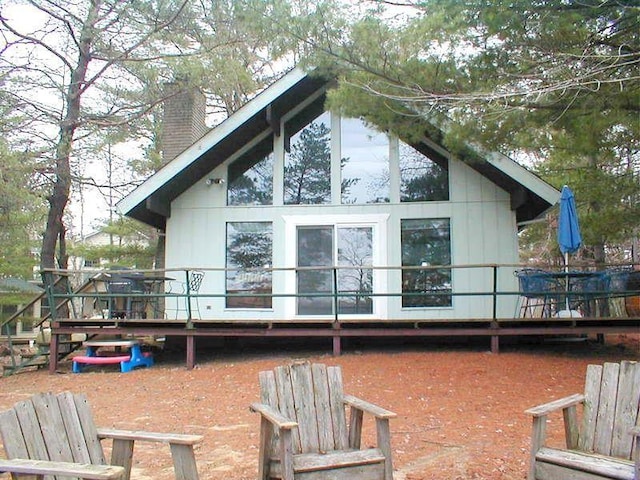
495 344
53 352
191 351
337 346
495 339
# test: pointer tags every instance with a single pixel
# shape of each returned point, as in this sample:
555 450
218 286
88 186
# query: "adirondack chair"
601 447
304 433
55 435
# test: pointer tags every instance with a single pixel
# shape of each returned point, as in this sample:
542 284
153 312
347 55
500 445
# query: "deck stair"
29 358
38 356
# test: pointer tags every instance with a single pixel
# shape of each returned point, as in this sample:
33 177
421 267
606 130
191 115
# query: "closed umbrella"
569 238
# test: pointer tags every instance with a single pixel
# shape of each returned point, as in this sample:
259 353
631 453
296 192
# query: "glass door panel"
355 254
315 249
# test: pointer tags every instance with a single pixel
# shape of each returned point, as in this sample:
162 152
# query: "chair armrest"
171 438
370 408
561 404
66 469
271 414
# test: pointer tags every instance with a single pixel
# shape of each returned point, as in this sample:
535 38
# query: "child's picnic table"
129 360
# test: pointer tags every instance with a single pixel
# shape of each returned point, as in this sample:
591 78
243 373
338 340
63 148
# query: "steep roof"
151 201
12 284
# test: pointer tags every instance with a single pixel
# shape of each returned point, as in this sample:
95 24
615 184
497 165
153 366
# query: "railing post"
337 347
188 300
495 339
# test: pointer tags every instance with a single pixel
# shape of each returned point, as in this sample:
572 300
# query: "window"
249 252
421 179
349 247
364 163
251 183
307 165
426 243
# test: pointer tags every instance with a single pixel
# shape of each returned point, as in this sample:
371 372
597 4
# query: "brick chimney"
183 119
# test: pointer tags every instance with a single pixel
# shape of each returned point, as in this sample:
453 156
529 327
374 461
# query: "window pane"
364 163
424 243
422 180
249 250
307 165
251 184
315 249
355 250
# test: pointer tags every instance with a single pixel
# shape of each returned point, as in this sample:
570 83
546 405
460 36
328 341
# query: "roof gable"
151 201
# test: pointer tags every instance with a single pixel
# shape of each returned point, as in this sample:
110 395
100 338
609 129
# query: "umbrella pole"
566 281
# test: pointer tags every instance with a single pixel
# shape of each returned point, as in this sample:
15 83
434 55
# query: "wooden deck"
481 327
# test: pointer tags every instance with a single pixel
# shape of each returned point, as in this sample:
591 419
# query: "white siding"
483 231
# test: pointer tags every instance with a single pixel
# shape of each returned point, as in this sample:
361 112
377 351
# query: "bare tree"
66 73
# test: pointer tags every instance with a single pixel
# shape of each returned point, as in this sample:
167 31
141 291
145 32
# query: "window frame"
450 270
226 278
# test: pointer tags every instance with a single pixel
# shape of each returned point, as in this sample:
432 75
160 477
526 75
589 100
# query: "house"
102 242
21 300
280 193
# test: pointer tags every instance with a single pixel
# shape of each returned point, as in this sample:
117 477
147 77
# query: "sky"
89 206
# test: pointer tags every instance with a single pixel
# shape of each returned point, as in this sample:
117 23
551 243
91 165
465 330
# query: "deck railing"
443 300
498 290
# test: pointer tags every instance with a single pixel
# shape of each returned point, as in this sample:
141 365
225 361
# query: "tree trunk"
55 231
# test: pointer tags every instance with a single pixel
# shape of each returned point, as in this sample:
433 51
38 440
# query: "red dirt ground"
460 408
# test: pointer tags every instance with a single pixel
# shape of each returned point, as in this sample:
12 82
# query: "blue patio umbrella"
569 238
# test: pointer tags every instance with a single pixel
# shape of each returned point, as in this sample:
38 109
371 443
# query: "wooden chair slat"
52 427
89 429
30 428
627 404
14 445
591 403
286 403
269 396
336 394
73 428
324 420
303 397
606 409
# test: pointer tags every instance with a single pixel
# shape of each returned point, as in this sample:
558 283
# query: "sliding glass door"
334 259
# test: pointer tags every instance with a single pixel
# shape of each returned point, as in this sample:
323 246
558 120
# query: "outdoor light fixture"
214 181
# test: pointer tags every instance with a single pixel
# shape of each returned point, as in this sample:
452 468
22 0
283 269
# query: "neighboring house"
89 266
283 184
15 294
95 239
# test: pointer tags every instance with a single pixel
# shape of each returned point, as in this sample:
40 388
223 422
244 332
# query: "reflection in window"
249 252
315 249
355 250
355 277
426 243
364 162
307 165
251 184
422 180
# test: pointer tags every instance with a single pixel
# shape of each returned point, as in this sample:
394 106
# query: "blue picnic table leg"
76 367
138 359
